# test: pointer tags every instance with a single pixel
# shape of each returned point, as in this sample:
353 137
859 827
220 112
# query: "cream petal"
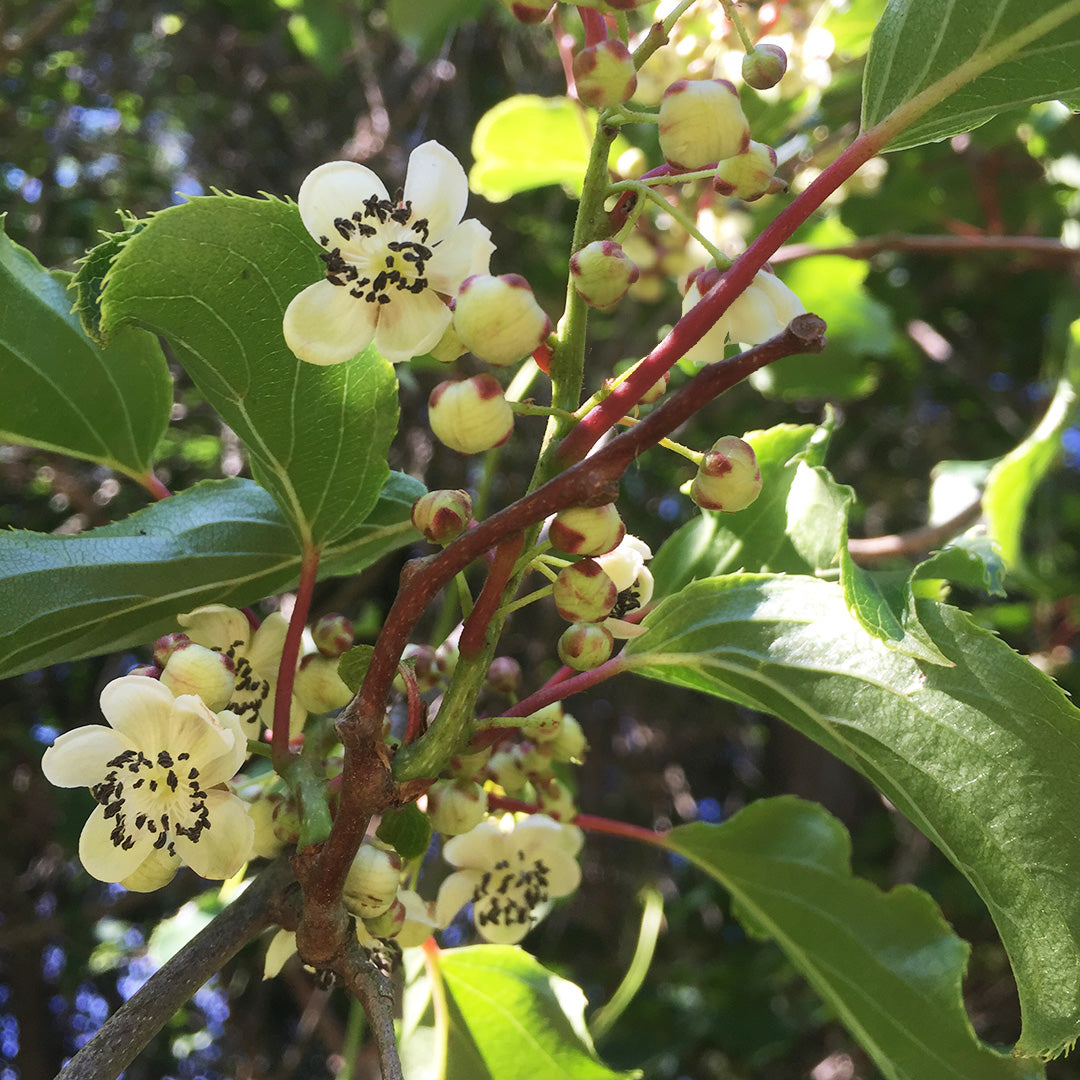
645 585
500 933
154 872
140 707
454 893
79 758
419 920
226 845
437 187
785 303
194 729
282 946
325 325
623 630
102 858
466 250
752 317
538 832
268 644
564 873
335 190
239 752
216 626
475 848
410 325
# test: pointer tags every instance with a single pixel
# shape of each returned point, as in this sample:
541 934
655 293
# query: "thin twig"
363 979
1045 248
919 541
122 1037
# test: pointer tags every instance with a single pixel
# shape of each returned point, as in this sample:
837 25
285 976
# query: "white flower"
625 565
256 655
158 774
507 869
760 312
388 265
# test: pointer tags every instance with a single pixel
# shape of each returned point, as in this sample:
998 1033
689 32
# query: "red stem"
290 653
557 688
595 25
416 704
152 484
690 329
588 822
471 642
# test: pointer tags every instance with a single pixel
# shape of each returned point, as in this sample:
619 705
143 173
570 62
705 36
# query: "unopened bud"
528 11
602 273
318 687
504 675
373 880
166 645
447 656
583 592
604 74
333 634
764 66
470 416
194 669
423 665
468 766
748 175
569 743
505 768
584 646
543 725
442 516
389 924
286 821
448 348
498 318
261 810
728 477
587 530
701 122
148 671
556 800
456 806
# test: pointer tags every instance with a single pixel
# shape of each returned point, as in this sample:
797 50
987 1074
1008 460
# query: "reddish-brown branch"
873 549
476 625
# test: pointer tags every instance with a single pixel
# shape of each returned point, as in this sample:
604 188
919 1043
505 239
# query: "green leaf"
861 328
972 60
407 829
525 1022
982 756
1012 482
528 142
353 666
89 279
222 541
973 562
214 277
424 27
60 390
795 526
887 963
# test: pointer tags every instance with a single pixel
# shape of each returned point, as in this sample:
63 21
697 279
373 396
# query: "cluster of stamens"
249 691
520 891
163 773
404 276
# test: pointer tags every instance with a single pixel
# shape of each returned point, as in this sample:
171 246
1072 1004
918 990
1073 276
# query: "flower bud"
389 924
569 743
448 348
701 122
498 318
602 273
456 806
468 766
261 809
584 646
447 656
286 821
166 645
728 477
149 671
442 516
470 416
583 592
604 74
424 668
505 768
528 11
556 800
318 687
373 880
543 725
504 675
194 669
764 66
333 635
748 175
587 530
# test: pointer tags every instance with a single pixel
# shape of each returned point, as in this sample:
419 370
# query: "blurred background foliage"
936 355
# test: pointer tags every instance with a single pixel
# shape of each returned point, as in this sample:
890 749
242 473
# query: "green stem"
523 601
733 18
680 215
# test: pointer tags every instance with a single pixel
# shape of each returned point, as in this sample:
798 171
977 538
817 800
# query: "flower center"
385 251
159 796
508 893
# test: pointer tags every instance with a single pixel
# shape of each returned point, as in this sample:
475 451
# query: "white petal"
465 251
623 630
193 729
325 325
410 325
438 188
785 303
216 626
138 706
239 752
752 317
478 848
101 857
419 920
282 946
79 758
154 872
267 645
454 893
225 846
564 874
645 585
711 346
335 190
500 933
538 832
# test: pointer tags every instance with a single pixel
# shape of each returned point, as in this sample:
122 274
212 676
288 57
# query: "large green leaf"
522 1021
983 756
59 390
222 541
1012 482
975 59
214 277
795 526
528 142
887 963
